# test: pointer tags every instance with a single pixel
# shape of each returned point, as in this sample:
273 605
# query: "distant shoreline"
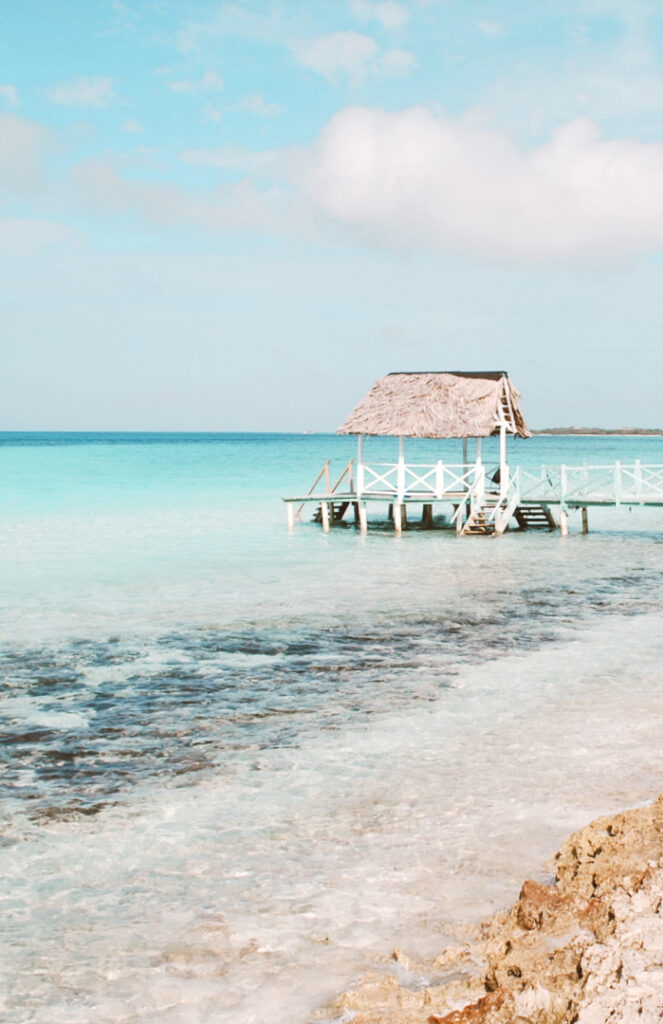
598 432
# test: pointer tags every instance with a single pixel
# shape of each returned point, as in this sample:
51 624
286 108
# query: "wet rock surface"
586 950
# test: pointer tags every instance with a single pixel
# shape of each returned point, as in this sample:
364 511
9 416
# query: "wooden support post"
564 522
363 520
360 464
398 519
355 506
324 508
585 521
464 451
390 514
439 478
290 512
427 517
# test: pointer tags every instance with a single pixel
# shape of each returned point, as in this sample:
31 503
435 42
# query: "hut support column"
290 512
504 469
363 519
324 509
478 451
398 517
564 522
464 451
401 469
585 521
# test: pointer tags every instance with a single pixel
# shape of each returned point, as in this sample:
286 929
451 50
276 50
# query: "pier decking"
483 499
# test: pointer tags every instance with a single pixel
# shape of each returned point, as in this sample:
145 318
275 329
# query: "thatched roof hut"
450 404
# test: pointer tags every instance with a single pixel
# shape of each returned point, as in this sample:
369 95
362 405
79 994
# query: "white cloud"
10 94
391 15
347 53
352 54
22 149
210 82
255 103
132 126
491 28
84 92
410 178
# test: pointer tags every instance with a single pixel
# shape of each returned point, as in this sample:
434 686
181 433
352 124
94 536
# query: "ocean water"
240 766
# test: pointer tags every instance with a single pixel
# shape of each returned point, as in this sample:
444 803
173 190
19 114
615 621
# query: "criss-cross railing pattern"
403 479
378 478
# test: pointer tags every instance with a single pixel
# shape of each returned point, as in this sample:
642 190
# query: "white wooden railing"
614 484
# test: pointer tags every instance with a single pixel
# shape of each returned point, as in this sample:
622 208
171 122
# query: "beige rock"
584 951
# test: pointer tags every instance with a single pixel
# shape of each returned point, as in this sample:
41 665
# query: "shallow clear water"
240 766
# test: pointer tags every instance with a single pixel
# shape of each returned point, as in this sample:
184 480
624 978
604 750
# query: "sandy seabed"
586 950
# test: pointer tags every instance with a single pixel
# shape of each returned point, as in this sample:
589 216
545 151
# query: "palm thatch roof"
451 404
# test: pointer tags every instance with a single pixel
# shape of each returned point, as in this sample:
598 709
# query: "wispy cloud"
84 92
255 103
212 113
210 82
493 29
391 15
346 53
10 94
231 19
397 63
21 239
235 158
23 148
101 187
350 54
132 126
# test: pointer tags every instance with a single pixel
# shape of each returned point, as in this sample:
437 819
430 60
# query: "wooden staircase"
506 409
534 517
481 522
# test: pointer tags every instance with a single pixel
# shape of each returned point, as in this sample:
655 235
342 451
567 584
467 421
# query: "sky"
237 216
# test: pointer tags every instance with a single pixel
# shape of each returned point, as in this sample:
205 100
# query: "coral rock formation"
586 950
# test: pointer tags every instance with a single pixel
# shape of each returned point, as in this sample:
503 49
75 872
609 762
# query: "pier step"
479 524
337 511
534 517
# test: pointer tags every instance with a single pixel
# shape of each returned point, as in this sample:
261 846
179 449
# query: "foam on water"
240 766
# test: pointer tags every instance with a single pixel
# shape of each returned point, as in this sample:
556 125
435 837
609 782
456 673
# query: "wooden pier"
478 499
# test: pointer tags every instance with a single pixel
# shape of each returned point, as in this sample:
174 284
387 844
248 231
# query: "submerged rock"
586 950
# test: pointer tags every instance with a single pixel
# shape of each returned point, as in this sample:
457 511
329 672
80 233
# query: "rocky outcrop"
586 950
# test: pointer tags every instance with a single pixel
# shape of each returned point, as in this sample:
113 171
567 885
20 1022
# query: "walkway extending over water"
483 501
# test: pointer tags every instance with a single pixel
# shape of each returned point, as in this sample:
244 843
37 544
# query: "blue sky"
237 216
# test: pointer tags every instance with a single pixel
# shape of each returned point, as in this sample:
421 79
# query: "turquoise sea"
241 765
